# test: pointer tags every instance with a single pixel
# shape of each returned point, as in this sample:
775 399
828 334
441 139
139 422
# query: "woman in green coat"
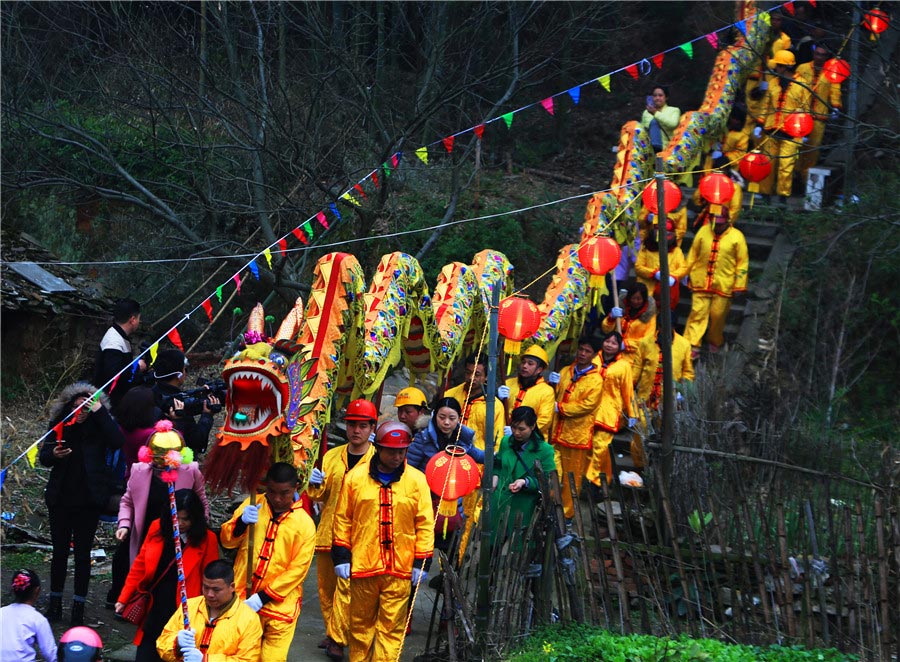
516 488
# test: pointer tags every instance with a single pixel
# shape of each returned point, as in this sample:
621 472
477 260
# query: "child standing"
21 625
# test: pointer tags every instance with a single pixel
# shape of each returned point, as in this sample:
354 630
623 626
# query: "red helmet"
361 410
80 644
393 434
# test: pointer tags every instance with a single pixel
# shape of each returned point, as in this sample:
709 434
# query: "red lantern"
798 125
599 255
671 197
876 21
717 189
519 318
836 70
452 474
755 167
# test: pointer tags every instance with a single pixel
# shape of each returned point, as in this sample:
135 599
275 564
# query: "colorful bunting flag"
508 119
789 7
31 454
322 220
359 189
57 429
308 229
349 198
742 26
268 255
479 131
134 368
765 18
395 159
448 144
300 236
575 93
253 269
334 209
632 71
219 291
604 81
813 3
207 307
374 176
154 348
387 169
658 60
282 246
176 339
2 478
713 40
548 104
422 153
237 281
688 48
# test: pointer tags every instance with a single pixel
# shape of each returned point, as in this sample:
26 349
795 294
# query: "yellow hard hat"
537 352
410 396
783 57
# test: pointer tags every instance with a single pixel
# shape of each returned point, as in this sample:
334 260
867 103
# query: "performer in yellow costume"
528 388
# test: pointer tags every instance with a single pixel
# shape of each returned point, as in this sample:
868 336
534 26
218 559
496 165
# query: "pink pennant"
300 236
548 104
207 306
282 243
632 71
323 221
176 339
658 60
394 161
237 281
448 144
359 189
713 40
479 131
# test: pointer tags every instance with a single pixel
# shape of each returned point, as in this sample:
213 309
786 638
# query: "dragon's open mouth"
254 400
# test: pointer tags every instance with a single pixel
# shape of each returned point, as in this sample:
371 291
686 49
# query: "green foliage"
577 642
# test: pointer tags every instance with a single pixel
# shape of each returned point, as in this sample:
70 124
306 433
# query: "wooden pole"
250 532
664 337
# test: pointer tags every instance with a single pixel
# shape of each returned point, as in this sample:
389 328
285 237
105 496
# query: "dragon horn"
257 321
291 322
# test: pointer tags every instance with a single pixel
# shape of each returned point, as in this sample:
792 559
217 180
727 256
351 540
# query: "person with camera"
169 371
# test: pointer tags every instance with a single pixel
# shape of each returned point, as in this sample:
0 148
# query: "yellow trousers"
600 462
574 460
707 310
809 155
277 638
378 618
784 155
334 598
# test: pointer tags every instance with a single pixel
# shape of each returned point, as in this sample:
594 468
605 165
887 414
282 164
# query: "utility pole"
664 335
852 131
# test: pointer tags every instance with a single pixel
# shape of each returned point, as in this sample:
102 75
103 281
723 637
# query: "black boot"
77 614
54 609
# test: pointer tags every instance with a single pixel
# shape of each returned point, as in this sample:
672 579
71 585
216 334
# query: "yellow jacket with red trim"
477 415
616 394
335 466
646 362
541 397
824 94
783 98
678 217
235 636
384 528
634 329
718 264
283 549
647 265
577 401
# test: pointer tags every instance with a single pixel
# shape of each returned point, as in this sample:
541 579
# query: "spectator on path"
412 408
284 541
637 313
659 118
383 537
79 487
22 627
169 371
528 388
115 352
577 398
222 627
154 570
137 415
825 98
717 268
325 487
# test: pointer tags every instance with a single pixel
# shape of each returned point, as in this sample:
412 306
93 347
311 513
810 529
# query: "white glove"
507 431
678 397
418 576
186 639
503 392
192 655
656 275
317 477
616 312
254 602
632 422
757 132
250 514
717 154
764 85
835 113
553 378
342 570
671 281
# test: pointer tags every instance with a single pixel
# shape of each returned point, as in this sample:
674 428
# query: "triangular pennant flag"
334 210
374 176
395 159
813 3
2 478
765 18
688 48
154 350
268 255
322 220
237 281
632 71
207 307
31 454
789 8
658 60
713 40
448 143
359 189
604 81
742 26
422 153
508 119
548 104
219 291
58 429
575 93
349 198
176 339
479 131
134 368
253 269
308 229
300 236
282 246
387 169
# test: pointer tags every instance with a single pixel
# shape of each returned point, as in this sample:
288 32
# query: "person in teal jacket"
516 487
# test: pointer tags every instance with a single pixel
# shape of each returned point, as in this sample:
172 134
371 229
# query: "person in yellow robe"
637 314
825 98
472 402
528 388
647 266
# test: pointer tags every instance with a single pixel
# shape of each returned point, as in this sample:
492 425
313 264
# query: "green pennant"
386 168
688 48
508 119
308 228
219 293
